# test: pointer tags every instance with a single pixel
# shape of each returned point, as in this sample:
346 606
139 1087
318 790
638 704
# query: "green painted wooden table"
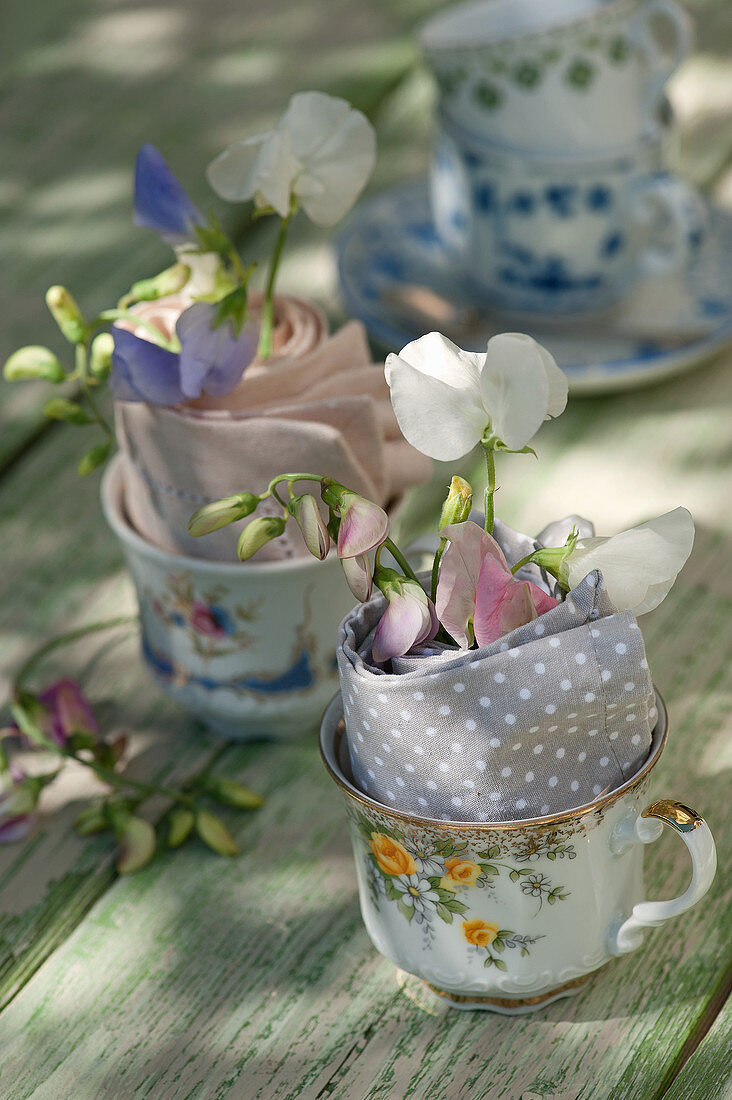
203 978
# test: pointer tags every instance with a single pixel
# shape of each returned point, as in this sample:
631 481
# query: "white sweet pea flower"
446 399
638 566
322 152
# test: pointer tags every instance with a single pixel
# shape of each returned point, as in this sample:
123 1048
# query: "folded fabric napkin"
318 404
554 714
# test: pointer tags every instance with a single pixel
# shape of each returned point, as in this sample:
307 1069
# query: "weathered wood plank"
256 979
708 1072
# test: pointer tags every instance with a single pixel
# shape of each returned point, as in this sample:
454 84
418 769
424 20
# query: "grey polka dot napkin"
546 719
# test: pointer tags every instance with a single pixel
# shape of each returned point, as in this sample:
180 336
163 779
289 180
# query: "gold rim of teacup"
586 810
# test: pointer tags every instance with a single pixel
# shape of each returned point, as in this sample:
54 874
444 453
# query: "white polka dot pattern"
540 722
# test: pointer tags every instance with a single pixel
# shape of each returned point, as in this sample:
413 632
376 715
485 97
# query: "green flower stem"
82 373
267 322
66 638
524 561
126 315
400 559
490 489
116 780
436 567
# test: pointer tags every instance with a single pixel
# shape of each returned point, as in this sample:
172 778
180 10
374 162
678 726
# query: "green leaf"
500 964
524 952
27 726
488 869
231 793
455 906
406 910
514 876
498 945
59 408
214 833
489 961
494 851
551 855
234 306
551 899
444 913
180 826
390 890
526 871
136 845
93 458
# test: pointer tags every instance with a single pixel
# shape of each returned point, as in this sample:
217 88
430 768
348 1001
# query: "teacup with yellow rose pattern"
508 916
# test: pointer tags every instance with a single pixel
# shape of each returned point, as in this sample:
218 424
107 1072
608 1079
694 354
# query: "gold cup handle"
698 838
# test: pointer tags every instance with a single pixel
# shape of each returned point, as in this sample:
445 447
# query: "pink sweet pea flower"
477 596
67 711
410 618
357 571
503 603
364 525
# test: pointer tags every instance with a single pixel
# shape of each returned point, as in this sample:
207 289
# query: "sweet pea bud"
91 820
364 525
93 458
258 533
231 793
309 520
59 408
33 361
100 356
66 314
136 844
180 827
214 833
222 512
167 282
458 504
357 571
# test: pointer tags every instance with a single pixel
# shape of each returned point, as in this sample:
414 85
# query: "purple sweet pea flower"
410 618
67 711
143 371
161 202
211 360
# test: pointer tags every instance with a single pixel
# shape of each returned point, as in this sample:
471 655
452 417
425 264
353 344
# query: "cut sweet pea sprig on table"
56 726
447 402
189 330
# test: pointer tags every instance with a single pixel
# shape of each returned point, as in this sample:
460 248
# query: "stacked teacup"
549 185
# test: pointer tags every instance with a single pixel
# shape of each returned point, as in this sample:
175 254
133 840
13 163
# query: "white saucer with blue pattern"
397 279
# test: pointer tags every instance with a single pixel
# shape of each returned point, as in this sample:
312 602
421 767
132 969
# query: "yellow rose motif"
460 872
391 856
481 933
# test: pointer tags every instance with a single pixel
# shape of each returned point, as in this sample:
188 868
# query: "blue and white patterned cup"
560 236
570 77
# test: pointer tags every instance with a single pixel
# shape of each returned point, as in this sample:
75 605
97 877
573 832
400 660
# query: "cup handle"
698 838
685 215
662 63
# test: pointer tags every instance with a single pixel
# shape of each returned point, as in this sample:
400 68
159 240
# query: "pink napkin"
319 404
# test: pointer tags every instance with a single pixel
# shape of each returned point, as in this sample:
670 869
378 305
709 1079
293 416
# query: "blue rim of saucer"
389 241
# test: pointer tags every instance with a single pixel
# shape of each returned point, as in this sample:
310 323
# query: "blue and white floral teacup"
508 916
560 236
569 77
247 648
